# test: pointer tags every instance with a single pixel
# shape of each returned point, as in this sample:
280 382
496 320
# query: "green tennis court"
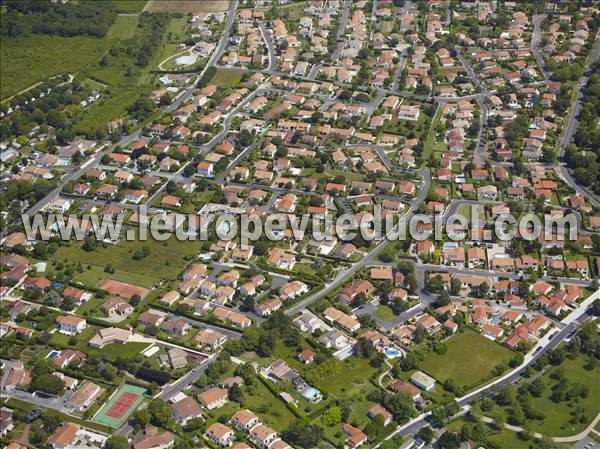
119 407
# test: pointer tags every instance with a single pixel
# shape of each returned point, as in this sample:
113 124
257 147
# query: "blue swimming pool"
392 353
53 354
311 393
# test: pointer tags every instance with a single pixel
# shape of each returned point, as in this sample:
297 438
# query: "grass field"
28 60
130 6
226 77
101 416
123 28
164 262
187 6
557 415
384 313
428 146
504 438
469 360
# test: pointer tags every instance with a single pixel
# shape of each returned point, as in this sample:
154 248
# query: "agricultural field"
186 6
469 359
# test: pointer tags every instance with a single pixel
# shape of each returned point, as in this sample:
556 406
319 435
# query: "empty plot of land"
226 78
469 360
186 6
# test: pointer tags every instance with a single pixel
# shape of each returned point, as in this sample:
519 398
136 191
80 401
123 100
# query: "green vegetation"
178 31
163 262
31 59
226 78
469 360
27 407
428 146
583 156
22 18
491 436
385 313
558 416
124 27
130 6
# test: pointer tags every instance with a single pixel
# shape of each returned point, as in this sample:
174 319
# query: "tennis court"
119 407
123 289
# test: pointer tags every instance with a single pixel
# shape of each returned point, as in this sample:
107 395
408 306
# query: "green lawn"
469 360
28 60
91 307
271 409
226 78
557 415
384 313
123 28
165 261
108 352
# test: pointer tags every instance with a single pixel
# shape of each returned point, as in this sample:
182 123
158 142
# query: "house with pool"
280 371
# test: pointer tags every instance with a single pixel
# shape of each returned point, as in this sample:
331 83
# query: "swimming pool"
311 393
53 354
392 353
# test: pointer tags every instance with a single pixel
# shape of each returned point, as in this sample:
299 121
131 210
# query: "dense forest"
25 17
583 156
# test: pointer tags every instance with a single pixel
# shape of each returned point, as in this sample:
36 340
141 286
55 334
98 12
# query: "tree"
141 417
332 416
235 394
426 434
303 434
160 414
450 440
409 362
116 442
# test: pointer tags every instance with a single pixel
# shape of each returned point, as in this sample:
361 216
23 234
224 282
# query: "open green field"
226 78
384 313
557 415
130 6
469 360
164 262
29 60
123 28
429 143
503 438
186 6
92 275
